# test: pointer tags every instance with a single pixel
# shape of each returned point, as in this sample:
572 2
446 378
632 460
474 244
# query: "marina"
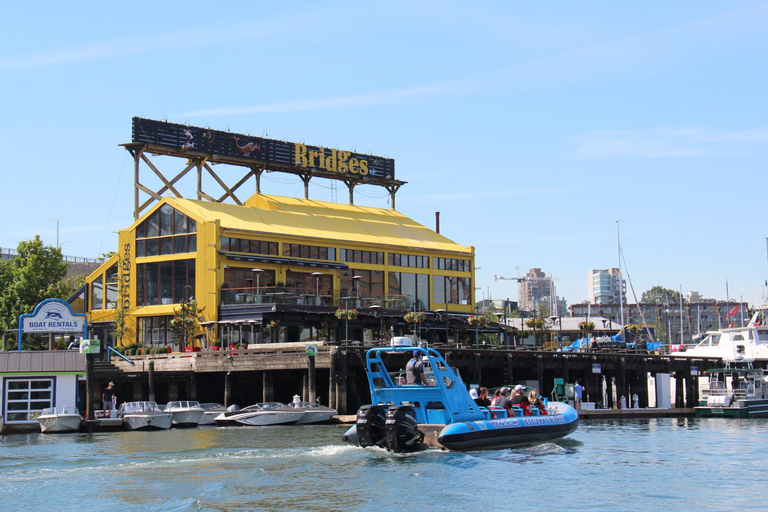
640 464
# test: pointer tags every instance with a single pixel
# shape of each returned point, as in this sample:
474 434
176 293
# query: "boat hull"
501 433
757 408
316 416
60 423
260 419
160 421
187 418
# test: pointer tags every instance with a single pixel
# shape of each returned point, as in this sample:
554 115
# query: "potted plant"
346 314
477 320
414 317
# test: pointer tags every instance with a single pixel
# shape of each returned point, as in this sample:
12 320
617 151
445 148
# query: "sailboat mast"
621 288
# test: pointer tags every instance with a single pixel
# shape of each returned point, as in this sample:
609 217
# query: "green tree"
35 274
660 295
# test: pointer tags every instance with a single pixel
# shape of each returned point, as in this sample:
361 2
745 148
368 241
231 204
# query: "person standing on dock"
108 397
578 392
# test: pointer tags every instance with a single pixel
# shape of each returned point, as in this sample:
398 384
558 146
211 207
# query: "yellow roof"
277 215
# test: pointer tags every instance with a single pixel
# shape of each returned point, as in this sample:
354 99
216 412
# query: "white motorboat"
735 393
265 413
185 413
60 419
734 344
210 411
144 416
313 413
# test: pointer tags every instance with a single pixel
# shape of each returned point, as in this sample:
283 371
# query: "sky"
543 132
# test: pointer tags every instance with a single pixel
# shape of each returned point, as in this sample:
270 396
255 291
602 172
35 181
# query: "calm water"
675 464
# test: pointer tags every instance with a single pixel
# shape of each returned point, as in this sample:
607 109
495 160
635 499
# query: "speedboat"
144 416
210 411
733 344
441 413
265 413
736 393
313 412
60 419
185 413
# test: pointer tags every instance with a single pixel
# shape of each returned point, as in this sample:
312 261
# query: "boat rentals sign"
53 316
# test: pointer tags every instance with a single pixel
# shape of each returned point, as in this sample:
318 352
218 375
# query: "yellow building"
277 269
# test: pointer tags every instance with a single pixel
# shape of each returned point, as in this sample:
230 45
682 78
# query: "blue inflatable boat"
440 413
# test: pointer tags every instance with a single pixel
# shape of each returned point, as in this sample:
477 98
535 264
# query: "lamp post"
317 287
377 314
184 317
258 272
57 231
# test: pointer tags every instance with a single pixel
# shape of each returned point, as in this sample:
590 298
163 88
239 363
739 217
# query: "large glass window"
451 290
371 282
26 398
408 260
97 293
311 252
356 256
249 246
166 231
113 276
154 331
164 282
451 264
414 285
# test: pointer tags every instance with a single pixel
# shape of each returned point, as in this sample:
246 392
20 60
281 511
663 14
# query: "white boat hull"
60 423
187 417
152 421
316 416
263 418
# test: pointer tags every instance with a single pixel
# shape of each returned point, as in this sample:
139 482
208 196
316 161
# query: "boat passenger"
473 393
535 401
482 398
520 397
414 370
496 395
503 399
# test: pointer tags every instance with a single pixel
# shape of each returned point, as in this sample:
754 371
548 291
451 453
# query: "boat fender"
402 430
370 425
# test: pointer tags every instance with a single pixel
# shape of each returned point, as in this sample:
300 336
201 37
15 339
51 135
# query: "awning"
285 261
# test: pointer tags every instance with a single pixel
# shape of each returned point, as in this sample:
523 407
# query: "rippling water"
680 464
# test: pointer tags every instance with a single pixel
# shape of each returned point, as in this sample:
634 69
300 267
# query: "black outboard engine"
401 429
370 425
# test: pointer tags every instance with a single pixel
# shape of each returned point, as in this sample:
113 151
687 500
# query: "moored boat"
60 419
733 344
144 416
313 412
261 414
184 413
440 413
735 393
210 411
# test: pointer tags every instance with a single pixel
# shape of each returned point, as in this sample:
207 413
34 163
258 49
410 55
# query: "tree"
660 295
35 274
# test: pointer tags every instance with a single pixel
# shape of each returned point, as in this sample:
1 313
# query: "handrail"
121 355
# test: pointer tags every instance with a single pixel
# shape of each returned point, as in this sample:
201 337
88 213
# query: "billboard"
241 149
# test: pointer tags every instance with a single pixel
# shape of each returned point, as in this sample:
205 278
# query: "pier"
336 375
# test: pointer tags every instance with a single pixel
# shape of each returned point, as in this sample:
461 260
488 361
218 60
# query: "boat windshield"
182 405
711 340
50 411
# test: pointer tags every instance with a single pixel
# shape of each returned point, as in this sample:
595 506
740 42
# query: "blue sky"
531 127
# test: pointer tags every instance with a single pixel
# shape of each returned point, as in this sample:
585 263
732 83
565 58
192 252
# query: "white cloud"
665 142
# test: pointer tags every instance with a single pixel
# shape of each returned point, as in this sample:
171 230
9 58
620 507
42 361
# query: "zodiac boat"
440 413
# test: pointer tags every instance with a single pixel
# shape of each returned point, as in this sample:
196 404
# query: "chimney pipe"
437 222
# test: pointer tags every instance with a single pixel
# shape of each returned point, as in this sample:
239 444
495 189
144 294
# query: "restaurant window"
309 252
26 398
154 330
164 282
408 260
97 293
451 290
414 286
166 231
245 245
371 283
358 256
113 276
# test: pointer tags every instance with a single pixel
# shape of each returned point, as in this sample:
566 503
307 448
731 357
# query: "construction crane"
519 278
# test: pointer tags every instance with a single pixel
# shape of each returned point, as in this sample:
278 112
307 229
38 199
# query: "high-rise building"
605 286
535 290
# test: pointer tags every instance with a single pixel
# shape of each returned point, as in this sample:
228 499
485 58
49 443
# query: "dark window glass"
153 225
179 223
191 243
140 248
166 246
179 244
153 246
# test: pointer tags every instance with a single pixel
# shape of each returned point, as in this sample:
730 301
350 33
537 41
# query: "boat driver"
414 370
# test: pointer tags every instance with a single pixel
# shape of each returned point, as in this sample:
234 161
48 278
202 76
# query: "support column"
173 390
138 391
311 387
332 372
227 390
151 379
267 386
341 384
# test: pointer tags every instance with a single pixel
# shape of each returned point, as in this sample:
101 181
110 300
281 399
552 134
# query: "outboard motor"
401 429
370 425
